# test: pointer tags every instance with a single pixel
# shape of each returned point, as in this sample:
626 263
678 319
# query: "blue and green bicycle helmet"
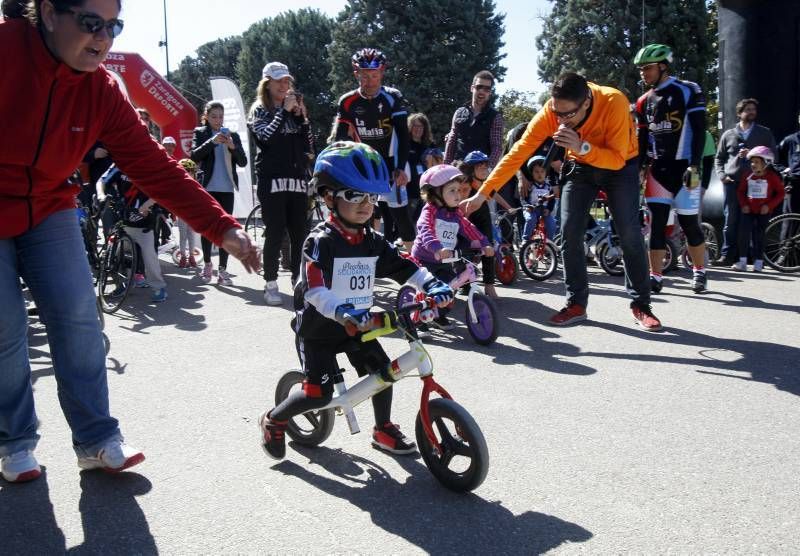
349 165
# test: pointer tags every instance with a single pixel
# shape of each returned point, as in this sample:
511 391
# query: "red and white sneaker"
389 439
20 467
570 314
645 318
273 436
113 457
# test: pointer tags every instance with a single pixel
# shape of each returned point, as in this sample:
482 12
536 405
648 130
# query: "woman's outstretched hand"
238 243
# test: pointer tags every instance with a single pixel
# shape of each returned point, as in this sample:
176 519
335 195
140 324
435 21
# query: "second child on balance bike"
342 259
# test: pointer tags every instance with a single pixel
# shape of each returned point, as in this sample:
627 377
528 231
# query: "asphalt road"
603 438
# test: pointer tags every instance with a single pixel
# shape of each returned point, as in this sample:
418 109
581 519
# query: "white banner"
225 91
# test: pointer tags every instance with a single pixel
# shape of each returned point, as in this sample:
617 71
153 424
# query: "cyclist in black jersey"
671 123
376 115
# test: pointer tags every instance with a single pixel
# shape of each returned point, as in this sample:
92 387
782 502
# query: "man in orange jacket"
593 124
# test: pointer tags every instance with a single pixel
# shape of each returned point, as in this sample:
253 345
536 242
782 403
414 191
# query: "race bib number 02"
447 233
757 189
354 280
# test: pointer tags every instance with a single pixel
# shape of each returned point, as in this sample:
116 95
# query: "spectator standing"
98 160
476 125
279 124
58 44
421 139
789 150
377 115
217 150
593 123
730 163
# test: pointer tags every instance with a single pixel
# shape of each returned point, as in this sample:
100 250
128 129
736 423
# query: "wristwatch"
585 148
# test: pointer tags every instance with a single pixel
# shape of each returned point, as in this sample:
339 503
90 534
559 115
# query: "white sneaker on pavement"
272 296
113 457
208 273
223 278
20 467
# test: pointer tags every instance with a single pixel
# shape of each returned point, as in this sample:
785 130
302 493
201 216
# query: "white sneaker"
20 467
113 457
223 278
208 273
758 265
740 266
272 295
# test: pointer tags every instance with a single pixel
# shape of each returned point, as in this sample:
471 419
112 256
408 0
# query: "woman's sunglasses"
92 23
356 197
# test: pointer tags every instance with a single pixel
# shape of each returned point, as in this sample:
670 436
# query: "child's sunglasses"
356 197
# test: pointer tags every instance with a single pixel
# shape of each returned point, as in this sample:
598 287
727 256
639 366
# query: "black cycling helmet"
368 58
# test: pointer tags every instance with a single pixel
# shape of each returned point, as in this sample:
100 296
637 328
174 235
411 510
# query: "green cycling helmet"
653 53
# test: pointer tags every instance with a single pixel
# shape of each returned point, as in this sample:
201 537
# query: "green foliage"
517 107
600 38
300 40
216 58
434 48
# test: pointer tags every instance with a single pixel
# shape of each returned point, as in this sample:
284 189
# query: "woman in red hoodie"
57 101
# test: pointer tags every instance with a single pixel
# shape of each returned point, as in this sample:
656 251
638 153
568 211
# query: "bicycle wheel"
671 256
254 225
405 296
610 259
538 261
506 267
486 326
464 461
118 266
311 428
711 239
782 242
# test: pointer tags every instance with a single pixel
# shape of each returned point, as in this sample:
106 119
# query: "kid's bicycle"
480 314
450 441
538 256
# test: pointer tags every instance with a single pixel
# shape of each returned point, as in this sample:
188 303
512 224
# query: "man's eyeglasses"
571 113
356 197
92 23
486 88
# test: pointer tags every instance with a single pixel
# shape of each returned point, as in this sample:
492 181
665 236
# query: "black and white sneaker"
442 323
389 439
655 285
699 282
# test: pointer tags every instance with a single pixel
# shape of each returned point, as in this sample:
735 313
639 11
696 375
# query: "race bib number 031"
354 280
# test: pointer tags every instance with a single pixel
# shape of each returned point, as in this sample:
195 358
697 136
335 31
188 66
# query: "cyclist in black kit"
671 118
376 115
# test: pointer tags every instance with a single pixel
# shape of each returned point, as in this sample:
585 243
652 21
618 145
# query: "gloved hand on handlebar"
360 318
441 293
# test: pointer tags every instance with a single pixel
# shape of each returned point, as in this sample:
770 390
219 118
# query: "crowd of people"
383 168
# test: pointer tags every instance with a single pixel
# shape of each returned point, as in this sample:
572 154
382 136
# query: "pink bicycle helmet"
437 176
761 152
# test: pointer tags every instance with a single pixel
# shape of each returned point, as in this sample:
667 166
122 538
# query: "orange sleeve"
619 136
542 126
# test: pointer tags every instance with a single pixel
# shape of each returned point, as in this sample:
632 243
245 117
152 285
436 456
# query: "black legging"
283 211
660 215
226 202
482 219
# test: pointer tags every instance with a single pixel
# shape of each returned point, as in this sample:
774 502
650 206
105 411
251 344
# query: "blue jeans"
730 230
51 259
532 218
577 196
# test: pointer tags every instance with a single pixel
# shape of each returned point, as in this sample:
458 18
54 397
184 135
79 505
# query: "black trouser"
320 366
482 218
397 223
226 202
282 212
752 226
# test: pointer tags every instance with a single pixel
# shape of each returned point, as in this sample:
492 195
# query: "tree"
300 40
600 38
216 58
434 48
517 107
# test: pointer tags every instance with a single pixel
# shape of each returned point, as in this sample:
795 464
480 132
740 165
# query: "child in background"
540 200
440 225
432 156
343 257
759 192
188 238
